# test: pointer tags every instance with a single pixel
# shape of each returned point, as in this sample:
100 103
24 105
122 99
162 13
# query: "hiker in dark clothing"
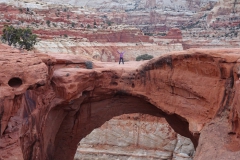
121 57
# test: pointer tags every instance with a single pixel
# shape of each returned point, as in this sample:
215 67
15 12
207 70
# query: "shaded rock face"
196 91
19 72
9 141
135 136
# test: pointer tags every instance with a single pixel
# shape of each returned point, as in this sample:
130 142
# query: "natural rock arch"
91 115
200 87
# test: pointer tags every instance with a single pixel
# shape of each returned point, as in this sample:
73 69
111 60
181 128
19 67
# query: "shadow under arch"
91 115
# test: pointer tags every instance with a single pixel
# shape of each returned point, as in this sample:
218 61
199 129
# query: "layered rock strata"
73 30
99 30
135 136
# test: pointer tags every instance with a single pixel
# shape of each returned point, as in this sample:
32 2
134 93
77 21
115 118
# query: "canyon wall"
100 29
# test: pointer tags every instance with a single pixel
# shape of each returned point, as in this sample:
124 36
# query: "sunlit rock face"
137 137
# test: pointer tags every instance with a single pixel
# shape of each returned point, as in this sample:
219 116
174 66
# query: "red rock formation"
174 33
194 90
125 35
19 73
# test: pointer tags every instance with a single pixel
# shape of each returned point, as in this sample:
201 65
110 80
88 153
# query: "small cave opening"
15 82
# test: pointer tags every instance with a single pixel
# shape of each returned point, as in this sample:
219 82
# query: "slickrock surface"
196 91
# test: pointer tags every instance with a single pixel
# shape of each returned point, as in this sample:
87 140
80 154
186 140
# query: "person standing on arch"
121 56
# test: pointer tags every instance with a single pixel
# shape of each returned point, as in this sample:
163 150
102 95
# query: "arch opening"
76 125
135 136
15 82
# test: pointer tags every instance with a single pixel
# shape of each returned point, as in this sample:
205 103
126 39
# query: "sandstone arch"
94 114
200 86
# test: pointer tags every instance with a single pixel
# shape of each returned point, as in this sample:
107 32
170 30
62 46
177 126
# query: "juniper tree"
23 38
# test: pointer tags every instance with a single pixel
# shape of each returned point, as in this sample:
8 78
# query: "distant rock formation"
99 28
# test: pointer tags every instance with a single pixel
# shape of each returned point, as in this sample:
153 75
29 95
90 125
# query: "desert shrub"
73 24
54 24
88 26
20 10
89 64
162 34
94 24
109 22
23 38
48 23
148 34
144 57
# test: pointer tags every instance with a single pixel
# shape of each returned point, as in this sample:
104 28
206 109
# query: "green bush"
89 65
109 22
20 10
48 23
54 24
148 34
19 37
88 26
144 57
73 24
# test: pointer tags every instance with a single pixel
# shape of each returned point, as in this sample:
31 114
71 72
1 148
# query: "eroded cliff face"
196 91
19 73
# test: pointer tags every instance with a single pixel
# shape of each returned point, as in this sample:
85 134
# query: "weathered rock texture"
196 91
135 136
19 72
